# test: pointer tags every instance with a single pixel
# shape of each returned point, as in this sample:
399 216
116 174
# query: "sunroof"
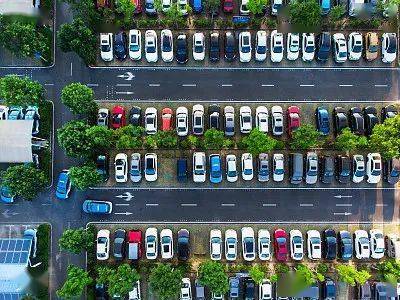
14 251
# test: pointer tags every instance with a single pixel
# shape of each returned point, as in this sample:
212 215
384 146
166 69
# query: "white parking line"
381 85
124 93
151 204
71 69
343 204
154 84
269 204
92 84
306 205
49 84
307 85
228 204
381 204
189 85
122 204
268 85
345 85
123 84
188 204
226 85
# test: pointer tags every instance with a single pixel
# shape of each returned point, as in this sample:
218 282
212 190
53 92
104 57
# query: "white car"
186 289
355 45
199 167
248 244
262 118
361 244
276 46
293 46
199 47
245 47
374 167
150 167
246 120
121 167
183 7
231 241
106 46
167 45
264 244
135 44
229 120
308 46
244 9
314 244
167 244
247 166
278 167
150 120
103 244
182 125
166 5
358 168
4 112
377 243
198 119
275 6
265 290
389 47
231 169
151 243
339 47
215 244
215 296
296 244
261 45
134 294
277 120
150 46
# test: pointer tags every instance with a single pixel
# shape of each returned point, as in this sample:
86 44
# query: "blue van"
197 6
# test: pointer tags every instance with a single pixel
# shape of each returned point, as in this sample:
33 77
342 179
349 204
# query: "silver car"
263 167
278 169
277 120
229 118
136 168
102 117
311 168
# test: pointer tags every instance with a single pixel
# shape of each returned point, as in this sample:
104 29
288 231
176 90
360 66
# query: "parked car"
134 294
63 189
214 48
248 244
293 116
214 112
118 118
314 244
380 291
244 45
373 167
339 47
246 119
278 167
166 119
166 5
311 168
3 112
249 289
325 6
264 244
181 53
355 46
324 46
234 287
121 167
377 243
262 118
100 291
231 241
15 113
135 172
167 244
389 47
229 45
280 245
135 116
247 166
345 245
150 46
103 117
277 120
150 167
365 291
151 243
370 119
231 169
327 169
199 167
330 244
388 111
150 7
199 47
32 113
215 244
119 244
358 168
138 7
392 170
182 6
371 46
393 246
106 46
135 44
341 120
215 168
200 290
276 45
103 244
183 245
357 121
361 244
182 170
120 45
343 168
198 119
96 207
244 10
296 244
263 167
308 46
296 168
5 194
261 45
186 289
322 118
328 289
229 120
293 46
265 290
150 120
182 121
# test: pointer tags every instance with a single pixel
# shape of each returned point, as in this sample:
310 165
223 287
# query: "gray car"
150 7
311 168
263 167
234 287
229 120
136 168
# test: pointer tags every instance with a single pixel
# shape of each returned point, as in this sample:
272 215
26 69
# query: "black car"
102 166
181 170
249 289
357 121
230 46
181 53
340 119
214 112
364 291
370 119
330 244
135 116
327 169
183 244
101 292
345 245
120 45
119 244
324 46
328 289
214 47
392 170
388 111
343 168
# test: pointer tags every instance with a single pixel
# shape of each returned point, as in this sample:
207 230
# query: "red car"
228 6
280 245
166 118
138 6
134 244
118 118
293 116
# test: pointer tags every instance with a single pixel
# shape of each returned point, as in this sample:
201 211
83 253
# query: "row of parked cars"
20 113
329 245
360 120
305 45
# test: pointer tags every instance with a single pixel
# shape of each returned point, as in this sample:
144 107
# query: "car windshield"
151 49
261 49
249 245
278 49
198 49
247 171
117 118
373 48
309 49
392 46
150 5
105 48
281 240
135 171
357 48
294 48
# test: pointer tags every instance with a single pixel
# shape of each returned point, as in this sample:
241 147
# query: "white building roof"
16 141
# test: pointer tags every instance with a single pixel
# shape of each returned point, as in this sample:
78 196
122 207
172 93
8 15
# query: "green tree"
305 14
72 137
85 10
77 280
322 268
24 181
79 38
120 281
257 273
212 5
385 138
350 275
79 99
389 271
257 7
348 141
126 8
304 138
85 176
76 240
282 268
103 274
215 140
337 12
190 142
21 91
165 281
212 274
101 137
258 142
129 137
174 16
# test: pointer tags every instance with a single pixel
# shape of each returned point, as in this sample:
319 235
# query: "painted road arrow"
124 213
127 76
7 213
343 196
342 213
126 196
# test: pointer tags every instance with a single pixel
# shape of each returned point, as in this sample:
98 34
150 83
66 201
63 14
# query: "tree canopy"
85 176
258 142
212 274
165 281
77 280
385 138
305 137
389 271
215 140
348 141
350 275
76 240
21 91
257 7
79 99
119 280
72 137
305 14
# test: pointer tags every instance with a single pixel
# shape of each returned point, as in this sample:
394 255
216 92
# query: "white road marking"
228 204
343 204
381 204
307 85
123 213
124 93
122 204
154 84
92 84
306 205
345 85
268 85
123 84
189 85
49 84
226 85
381 85
71 69
269 204
343 196
151 204
240 188
342 213
189 204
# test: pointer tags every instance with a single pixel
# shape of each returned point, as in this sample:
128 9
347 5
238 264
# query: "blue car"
322 117
5 195
215 166
16 113
97 207
63 185
325 6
